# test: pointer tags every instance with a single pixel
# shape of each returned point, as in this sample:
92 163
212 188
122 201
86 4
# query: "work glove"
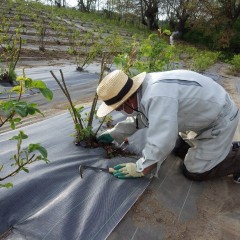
105 138
127 170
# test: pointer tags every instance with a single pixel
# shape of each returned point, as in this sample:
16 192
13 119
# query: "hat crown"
111 85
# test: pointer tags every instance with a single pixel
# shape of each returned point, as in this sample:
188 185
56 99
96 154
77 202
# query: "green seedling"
82 121
12 111
23 157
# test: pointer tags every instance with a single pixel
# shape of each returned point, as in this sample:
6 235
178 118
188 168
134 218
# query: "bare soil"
45 55
212 221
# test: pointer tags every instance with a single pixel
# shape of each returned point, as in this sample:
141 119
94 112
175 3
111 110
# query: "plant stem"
18 169
66 93
94 103
78 121
58 82
100 126
7 119
18 53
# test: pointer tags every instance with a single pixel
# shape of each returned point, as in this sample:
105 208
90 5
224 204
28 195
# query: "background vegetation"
213 23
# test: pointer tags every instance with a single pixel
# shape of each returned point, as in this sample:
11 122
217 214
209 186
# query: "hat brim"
105 109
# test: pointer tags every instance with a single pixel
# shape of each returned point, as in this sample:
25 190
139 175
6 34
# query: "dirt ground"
211 222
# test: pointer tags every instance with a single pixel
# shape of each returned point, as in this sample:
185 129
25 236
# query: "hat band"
121 94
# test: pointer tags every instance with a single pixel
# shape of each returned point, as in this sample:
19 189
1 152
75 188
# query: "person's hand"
127 170
105 138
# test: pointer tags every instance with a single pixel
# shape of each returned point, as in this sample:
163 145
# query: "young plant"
91 53
82 123
13 110
11 48
126 60
84 49
76 116
154 55
150 55
23 157
10 45
113 45
41 29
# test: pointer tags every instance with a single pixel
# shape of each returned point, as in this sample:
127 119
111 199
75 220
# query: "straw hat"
115 89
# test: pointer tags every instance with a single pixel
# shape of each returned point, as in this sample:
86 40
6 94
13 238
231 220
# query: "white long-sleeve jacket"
176 101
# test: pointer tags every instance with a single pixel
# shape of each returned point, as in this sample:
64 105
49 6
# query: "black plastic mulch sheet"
71 75
52 201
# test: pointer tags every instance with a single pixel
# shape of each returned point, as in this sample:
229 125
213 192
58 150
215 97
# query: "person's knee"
193 176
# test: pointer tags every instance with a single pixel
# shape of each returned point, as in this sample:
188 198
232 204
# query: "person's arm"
161 137
123 129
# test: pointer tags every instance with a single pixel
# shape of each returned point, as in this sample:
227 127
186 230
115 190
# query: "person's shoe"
235 145
236 178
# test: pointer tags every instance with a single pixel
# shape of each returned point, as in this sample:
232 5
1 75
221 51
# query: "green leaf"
17 120
22 111
31 109
167 32
6 185
38 84
22 135
43 151
79 109
16 89
146 50
28 83
37 147
14 138
34 105
47 93
12 124
117 60
25 169
22 78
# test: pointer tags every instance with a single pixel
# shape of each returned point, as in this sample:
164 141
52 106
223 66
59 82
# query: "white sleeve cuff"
143 163
139 164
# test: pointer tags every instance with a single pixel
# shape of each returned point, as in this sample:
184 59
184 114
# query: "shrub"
235 64
204 60
150 55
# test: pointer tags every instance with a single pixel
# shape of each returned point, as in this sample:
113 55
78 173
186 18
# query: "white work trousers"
213 145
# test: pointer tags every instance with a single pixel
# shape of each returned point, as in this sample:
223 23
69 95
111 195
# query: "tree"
222 11
147 10
180 11
86 5
218 22
149 13
60 3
